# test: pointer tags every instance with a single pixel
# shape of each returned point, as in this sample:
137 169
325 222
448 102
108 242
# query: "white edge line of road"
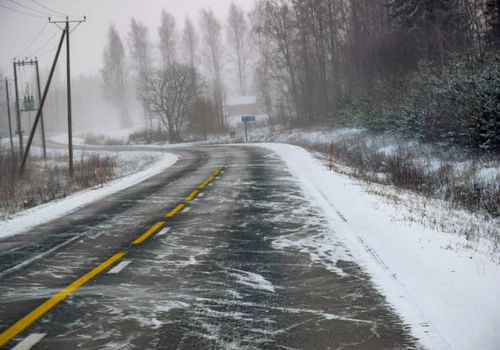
41 214
39 256
30 341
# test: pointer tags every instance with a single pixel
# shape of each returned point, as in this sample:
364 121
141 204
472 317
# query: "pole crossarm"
69 21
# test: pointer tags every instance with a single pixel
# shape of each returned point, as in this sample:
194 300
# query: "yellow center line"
176 210
27 320
149 232
192 195
203 185
217 172
210 178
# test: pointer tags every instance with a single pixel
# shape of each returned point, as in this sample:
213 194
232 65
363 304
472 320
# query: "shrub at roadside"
425 169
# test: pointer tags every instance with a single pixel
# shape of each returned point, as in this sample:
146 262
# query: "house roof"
241 100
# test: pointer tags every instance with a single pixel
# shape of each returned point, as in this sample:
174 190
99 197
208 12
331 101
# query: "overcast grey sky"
17 31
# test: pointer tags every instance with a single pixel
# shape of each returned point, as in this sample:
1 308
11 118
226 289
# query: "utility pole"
40 107
68 83
70 117
8 113
29 109
18 113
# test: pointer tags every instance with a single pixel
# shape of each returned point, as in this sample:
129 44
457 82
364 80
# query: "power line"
55 47
47 52
46 43
31 44
45 7
29 8
21 12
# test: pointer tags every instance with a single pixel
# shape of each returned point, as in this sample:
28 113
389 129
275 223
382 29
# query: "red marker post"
331 156
99 170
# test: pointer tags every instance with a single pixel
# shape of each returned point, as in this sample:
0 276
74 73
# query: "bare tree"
171 92
238 38
214 49
279 29
140 48
168 38
190 41
263 63
114 74
3 105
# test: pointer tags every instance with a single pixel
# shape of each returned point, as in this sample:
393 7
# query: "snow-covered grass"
46 180
455 180
443 285
131 165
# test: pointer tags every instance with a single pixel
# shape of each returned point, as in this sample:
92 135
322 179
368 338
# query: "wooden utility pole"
32 63
40 107
8 114
70 117
18 113
68 84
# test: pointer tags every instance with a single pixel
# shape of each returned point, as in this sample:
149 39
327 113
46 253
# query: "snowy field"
446 290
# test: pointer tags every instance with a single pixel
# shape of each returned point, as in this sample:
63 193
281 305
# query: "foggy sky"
17 31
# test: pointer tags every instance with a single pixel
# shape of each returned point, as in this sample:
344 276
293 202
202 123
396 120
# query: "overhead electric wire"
45 7
29 8
55 47
31 44
46 43
21 12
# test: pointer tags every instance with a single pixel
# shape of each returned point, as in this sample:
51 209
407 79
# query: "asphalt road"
187 260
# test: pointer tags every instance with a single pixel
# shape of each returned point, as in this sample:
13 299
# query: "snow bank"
63 140
449 297
50 211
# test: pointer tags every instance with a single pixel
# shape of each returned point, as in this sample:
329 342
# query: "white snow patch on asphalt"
323 249
50 211
253 280
448 297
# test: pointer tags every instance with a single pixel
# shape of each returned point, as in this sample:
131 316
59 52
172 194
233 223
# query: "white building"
239 106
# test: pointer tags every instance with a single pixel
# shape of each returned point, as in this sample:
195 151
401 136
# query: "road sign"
245 120
248 119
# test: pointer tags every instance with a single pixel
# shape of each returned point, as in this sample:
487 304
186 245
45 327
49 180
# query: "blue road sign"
248 119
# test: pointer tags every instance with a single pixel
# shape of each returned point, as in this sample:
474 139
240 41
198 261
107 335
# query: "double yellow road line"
46 306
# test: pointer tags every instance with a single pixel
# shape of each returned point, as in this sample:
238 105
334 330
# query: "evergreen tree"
492 15
433 24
